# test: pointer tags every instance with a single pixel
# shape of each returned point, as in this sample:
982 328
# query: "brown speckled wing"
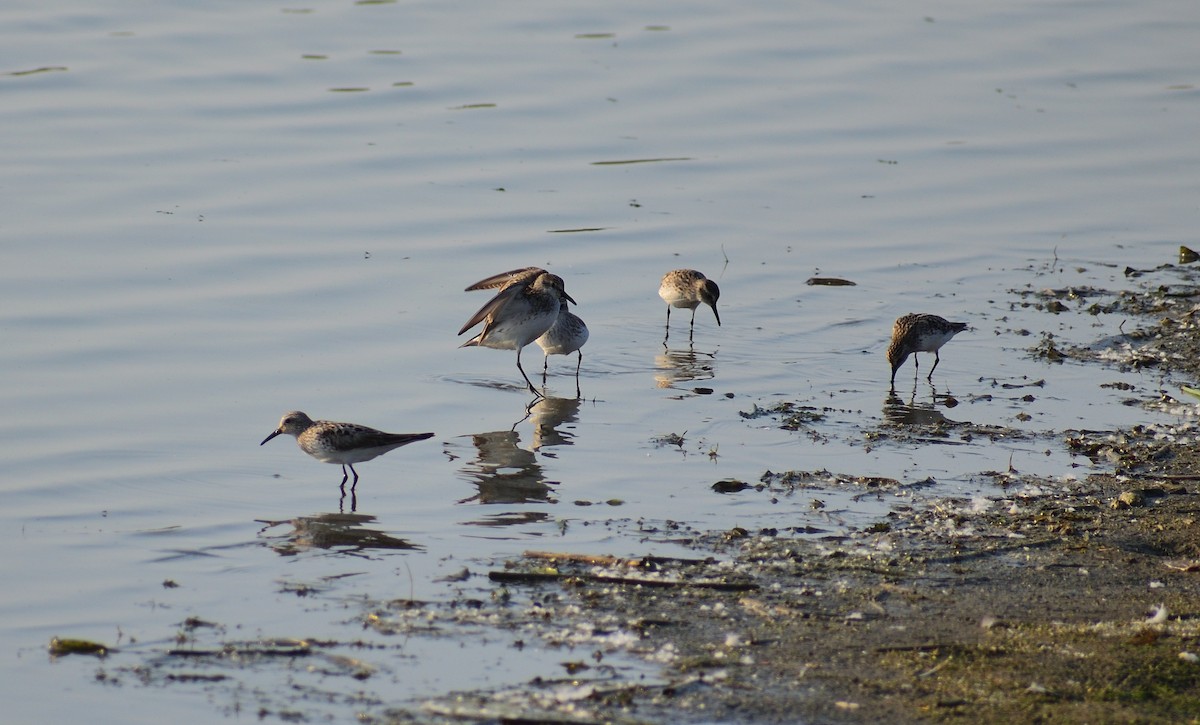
504 279
348 437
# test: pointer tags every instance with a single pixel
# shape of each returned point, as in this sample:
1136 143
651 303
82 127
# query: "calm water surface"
217 213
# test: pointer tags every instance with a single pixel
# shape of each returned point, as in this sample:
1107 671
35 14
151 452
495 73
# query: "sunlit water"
215 213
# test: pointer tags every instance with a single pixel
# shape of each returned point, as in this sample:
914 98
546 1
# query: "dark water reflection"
510 518
548 415
342 531
504 472
914 413
683 366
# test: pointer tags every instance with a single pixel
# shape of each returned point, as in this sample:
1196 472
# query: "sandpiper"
526 306
567 335
344 443
688 288
915 333
569 332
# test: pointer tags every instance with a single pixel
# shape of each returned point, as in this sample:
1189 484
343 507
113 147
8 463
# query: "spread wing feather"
501 298
504 279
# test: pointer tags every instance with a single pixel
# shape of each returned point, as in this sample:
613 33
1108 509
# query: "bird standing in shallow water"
524 309
344 443
688 288
569 332
567 335
915 333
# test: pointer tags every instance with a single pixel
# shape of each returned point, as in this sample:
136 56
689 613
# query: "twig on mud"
517 577
598 559
299 649
1171 476
935 668
608 559
914 648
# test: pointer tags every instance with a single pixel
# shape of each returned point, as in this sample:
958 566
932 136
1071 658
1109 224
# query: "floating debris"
63 646
670 439
730 485
792 416
829 282
641 161
33 71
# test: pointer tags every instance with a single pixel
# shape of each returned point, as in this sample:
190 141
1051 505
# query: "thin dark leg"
345 477
936 359
667 334
577 366
531 388
545 367
916 366
355 478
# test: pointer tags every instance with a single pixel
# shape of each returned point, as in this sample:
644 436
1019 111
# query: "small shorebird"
526 306
344 443
569 332
688 288
567 335
919 333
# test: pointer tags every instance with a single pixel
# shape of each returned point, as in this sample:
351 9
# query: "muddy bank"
1069 602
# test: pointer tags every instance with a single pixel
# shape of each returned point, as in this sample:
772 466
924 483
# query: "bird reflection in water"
683 366
504 472
547 416
345 533
917 414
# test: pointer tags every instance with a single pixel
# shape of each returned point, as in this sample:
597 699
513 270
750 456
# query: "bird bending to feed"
914 333
688 288
569 332
526 306
344 443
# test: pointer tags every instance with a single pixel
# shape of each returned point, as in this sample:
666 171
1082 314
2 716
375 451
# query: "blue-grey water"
216 212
